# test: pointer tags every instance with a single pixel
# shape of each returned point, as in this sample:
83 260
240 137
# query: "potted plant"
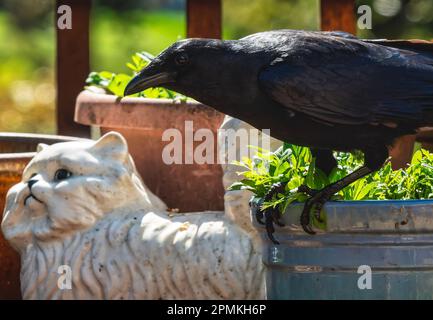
16 150
143 119
375 238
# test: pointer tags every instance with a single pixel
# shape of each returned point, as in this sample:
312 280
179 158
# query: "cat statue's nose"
31 182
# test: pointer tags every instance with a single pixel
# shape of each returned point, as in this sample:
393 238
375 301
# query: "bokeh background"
120 28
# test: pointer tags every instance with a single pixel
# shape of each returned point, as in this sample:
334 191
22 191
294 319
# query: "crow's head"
181 66
200 68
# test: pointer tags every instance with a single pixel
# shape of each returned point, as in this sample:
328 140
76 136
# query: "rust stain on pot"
92 116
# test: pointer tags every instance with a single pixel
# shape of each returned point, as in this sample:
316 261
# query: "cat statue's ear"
41 146
111 144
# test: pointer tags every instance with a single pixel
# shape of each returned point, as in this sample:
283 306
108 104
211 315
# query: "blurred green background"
119 28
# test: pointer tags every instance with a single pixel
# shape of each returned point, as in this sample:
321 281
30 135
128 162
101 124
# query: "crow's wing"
286 34
339 80
422 47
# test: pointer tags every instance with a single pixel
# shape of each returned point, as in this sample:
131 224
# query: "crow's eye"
62 174
182 59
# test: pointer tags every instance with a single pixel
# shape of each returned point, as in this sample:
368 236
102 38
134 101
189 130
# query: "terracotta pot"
16 150
187 187
401 152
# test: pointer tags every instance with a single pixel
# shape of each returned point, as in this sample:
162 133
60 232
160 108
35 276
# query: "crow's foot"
318 198
272 215
312 193
315 203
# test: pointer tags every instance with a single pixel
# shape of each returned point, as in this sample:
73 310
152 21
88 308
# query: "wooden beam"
72 65
204 18
338 15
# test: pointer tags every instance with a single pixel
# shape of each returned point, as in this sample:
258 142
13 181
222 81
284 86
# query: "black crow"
324 90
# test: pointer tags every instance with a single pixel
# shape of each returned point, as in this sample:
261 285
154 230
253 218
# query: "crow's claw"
259 216
305 217
317 209
272 215
315 203
320 199
276 216
308 229
269 223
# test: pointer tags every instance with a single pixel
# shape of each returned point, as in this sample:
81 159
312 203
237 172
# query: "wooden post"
338 15
72 65
204 19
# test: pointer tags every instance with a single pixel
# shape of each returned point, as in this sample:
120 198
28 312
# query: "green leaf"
362 189
132 67
417 156
118 84
236 186
106 75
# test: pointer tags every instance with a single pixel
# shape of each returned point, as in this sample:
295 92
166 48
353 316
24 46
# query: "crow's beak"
145 80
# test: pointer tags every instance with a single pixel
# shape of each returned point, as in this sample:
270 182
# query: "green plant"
115 83
295 166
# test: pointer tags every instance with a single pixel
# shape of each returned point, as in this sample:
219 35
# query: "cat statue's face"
69 186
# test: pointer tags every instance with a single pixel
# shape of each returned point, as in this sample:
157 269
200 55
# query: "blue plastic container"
393 239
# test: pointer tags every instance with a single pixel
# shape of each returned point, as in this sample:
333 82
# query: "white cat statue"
87 227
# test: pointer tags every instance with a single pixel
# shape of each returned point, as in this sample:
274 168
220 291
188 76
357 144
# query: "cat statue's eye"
62 174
